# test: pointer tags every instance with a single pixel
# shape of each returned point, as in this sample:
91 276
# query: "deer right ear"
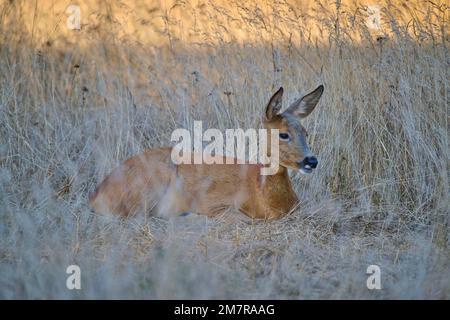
274 105
305 105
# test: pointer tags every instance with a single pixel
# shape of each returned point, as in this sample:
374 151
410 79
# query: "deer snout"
308 164
311 161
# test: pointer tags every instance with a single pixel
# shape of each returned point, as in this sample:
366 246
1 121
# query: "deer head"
294 151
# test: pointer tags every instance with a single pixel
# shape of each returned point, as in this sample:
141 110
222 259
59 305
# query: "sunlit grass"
73 107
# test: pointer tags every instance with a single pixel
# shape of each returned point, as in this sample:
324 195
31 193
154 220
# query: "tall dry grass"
71 109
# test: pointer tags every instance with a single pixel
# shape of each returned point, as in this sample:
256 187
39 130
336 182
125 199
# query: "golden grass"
72 106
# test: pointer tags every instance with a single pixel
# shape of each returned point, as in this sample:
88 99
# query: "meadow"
75 103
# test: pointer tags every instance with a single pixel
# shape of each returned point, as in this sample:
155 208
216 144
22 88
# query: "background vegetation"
75 103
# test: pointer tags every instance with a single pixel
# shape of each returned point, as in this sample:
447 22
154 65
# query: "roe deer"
151 181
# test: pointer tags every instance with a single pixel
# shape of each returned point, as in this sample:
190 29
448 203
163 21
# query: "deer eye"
285 137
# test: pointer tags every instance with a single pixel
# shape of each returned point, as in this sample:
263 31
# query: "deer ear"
274 105
305 105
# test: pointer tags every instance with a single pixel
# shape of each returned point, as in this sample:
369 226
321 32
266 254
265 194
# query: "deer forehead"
286 122
293 123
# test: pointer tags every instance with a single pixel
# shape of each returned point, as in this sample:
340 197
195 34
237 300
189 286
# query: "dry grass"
69 114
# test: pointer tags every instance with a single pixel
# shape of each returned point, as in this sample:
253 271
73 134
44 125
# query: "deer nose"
311 161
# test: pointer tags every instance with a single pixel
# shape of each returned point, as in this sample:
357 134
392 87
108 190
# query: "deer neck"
276 190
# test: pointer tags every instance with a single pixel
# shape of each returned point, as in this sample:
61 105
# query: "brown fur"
147 182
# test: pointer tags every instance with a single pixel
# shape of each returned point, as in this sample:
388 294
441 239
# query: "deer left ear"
274 105
305 105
